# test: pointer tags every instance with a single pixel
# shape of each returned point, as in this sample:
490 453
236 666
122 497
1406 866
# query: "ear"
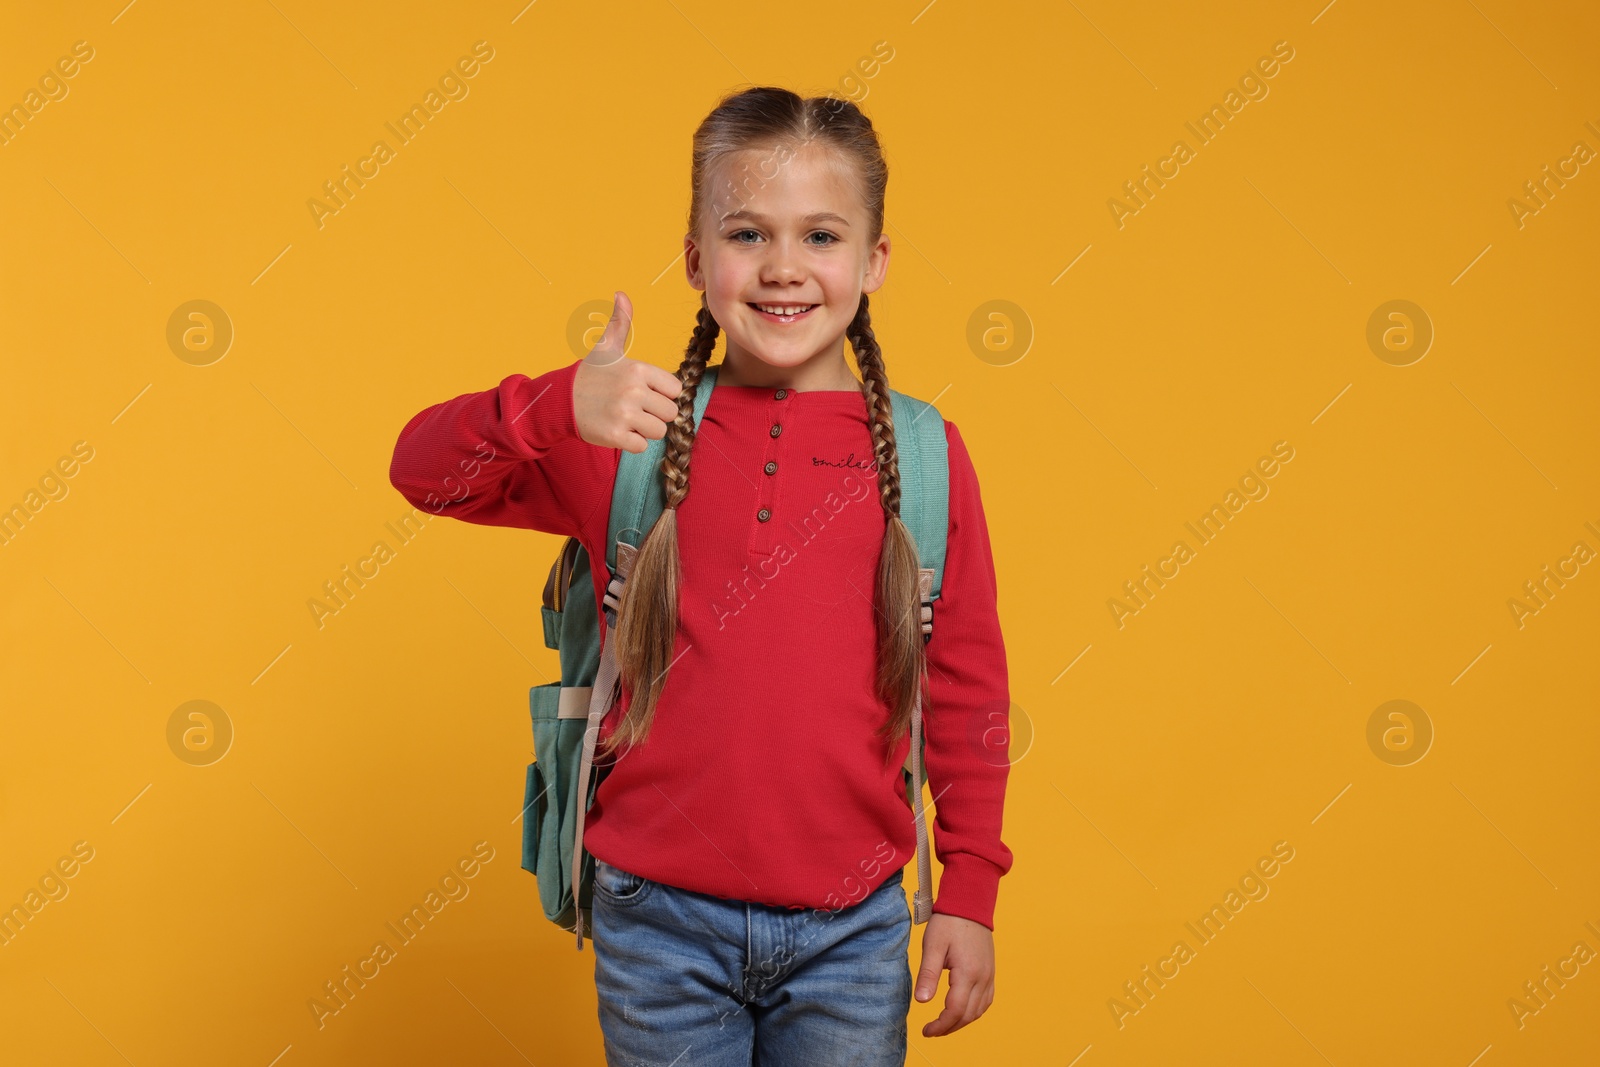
691 263
877 265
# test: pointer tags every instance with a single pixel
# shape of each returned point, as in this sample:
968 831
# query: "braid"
647 622
899 600
880 413
680 435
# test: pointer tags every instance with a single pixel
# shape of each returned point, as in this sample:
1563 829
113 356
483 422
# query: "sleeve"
508 456
966 715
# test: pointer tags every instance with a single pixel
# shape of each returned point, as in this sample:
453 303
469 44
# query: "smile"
784 312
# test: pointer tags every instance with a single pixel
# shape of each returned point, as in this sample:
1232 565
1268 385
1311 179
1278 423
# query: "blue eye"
831 238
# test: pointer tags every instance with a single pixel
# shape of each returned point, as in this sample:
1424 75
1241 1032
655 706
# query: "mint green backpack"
567 714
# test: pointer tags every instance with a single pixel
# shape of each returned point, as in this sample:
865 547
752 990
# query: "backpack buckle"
925 587
613 599
619 579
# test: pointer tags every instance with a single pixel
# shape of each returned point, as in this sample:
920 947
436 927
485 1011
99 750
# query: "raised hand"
620 402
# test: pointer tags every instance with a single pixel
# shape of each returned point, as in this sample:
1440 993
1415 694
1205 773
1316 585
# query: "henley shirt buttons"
763 514
771 467
780 394
777 428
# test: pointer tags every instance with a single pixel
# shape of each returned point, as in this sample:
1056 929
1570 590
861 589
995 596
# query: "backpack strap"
924 479
640 494
924 462
607 689
922 899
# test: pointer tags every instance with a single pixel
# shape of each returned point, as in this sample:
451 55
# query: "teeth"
776 309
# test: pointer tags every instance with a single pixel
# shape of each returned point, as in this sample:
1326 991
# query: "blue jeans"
690 980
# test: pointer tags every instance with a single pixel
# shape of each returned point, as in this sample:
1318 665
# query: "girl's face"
785 229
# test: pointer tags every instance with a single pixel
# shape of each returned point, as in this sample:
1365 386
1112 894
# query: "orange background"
1106 406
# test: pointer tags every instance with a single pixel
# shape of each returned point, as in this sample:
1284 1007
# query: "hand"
620 402
966 948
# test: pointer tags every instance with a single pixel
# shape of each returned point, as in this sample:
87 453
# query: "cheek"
840 284
725 294
723 278
725 297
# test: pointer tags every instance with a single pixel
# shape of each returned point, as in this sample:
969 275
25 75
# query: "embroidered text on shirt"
851 461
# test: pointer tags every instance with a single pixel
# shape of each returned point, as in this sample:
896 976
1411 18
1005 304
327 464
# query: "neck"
825 372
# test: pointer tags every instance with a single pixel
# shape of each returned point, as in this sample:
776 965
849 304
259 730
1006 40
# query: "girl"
748 903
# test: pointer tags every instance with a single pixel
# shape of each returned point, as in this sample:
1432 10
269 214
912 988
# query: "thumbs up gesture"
620 402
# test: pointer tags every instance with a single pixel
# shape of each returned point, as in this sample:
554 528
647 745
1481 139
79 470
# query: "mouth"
783 312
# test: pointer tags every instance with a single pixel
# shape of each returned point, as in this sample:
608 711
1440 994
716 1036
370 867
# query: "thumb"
928 976
621 320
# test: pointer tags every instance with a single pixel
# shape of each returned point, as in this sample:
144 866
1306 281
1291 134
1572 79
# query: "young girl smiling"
749 849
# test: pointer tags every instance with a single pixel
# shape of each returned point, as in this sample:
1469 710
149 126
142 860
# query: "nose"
783 263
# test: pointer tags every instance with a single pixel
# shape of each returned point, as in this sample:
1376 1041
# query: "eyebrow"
814 217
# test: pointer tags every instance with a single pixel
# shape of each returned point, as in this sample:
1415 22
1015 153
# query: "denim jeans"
690 980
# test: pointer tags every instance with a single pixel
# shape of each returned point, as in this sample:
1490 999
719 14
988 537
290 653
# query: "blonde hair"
648 619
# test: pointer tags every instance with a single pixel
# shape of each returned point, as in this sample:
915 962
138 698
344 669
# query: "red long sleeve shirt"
761 779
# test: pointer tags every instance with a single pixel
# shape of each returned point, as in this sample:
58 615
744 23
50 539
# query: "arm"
967 710
507 456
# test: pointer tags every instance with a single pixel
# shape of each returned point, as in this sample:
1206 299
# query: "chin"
775 360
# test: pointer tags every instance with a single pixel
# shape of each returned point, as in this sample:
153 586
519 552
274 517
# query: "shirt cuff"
540 411
968 886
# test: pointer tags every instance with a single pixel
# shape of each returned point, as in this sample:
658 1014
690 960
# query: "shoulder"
963 475
916 416
918 422
952 436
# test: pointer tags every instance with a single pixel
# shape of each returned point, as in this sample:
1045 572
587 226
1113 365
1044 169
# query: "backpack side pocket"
558 749
534 808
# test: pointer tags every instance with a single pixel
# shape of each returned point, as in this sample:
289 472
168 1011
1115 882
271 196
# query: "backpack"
566 714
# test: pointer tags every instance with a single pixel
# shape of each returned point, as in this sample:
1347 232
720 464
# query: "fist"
620 402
